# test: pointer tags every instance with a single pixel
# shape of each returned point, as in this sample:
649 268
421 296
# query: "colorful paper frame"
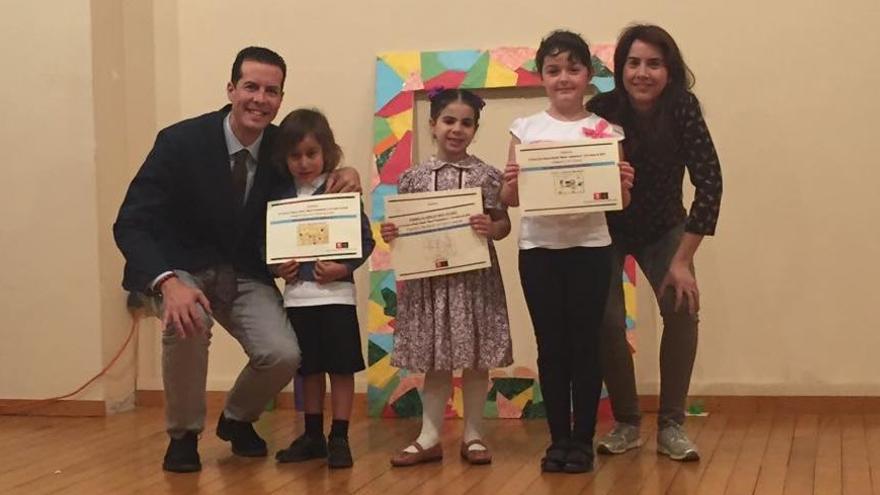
393 392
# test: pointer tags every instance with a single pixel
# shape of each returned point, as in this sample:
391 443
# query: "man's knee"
280 359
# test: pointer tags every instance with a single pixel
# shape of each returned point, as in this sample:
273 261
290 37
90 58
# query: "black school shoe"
182 455
339 453
579 458
555 457
245 441
303 448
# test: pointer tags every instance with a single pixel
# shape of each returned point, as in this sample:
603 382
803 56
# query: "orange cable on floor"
28 408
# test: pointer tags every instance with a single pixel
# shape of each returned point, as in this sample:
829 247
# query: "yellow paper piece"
521 399
405 64
499 76
629 297
376 317
381 245
401 123
381 372
458 402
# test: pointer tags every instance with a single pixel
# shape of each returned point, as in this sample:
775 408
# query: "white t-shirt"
569 230
310 293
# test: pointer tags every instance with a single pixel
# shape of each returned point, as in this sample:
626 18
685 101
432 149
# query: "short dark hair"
444 97
257 54
562 41
295 127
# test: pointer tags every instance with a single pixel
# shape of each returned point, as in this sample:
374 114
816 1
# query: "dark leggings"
566 291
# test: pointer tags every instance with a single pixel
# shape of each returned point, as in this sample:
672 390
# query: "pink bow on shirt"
599 132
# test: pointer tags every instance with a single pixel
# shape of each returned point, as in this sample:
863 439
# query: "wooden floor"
742 454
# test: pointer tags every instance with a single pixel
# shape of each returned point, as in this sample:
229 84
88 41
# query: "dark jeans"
678 345
565 290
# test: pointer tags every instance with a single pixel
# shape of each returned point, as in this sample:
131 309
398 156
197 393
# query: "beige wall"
788 285
49 294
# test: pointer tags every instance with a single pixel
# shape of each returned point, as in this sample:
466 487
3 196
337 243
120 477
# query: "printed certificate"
435 235
569 177
323 226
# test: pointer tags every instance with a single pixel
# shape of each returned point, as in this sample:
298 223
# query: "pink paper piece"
512 57
414 82
380 260
406 384
384 329
523 372
605 53
506 408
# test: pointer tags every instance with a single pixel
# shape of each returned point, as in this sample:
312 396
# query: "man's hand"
182 311
344 180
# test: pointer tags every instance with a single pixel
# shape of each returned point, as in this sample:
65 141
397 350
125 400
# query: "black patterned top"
657 204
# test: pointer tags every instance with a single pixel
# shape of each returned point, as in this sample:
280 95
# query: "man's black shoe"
182 455
245 441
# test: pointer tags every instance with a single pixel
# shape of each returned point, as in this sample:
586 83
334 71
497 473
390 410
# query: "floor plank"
765 453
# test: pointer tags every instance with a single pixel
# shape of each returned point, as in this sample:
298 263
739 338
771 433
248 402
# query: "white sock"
435 395
474 388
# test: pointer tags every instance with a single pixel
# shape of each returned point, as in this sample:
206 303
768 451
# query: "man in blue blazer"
191 229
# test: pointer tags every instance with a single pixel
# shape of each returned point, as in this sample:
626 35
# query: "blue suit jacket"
179 211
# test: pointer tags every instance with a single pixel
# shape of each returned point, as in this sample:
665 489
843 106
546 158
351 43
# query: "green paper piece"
599 69
377 283
490 410
383 158
431 66
532 410
381 129
696 408
408 405
537 396
378 397
390 299
476 76
530 65
374 353
511 387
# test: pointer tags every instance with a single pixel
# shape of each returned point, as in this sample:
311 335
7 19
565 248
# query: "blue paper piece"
388 282
379 281
388 84
604 84
383 340
459 60
379 193
630 324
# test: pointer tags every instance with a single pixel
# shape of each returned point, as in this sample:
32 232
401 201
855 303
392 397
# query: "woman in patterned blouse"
665 133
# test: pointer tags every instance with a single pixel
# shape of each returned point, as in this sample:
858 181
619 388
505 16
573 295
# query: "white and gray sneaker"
673 441
621 438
